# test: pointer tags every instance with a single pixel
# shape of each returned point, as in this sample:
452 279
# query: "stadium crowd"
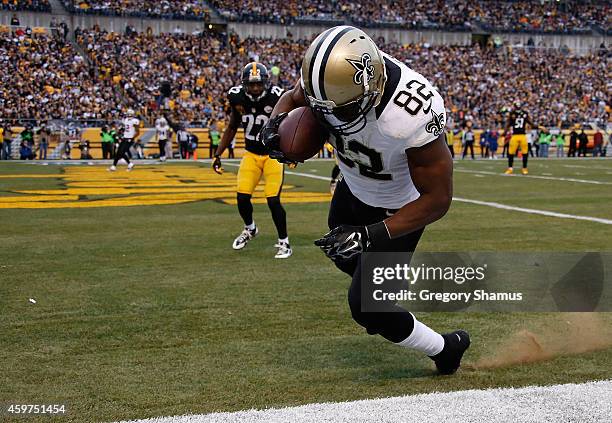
541 16
26 5
188 76
199 68
513 15
479 84
43 77
167 9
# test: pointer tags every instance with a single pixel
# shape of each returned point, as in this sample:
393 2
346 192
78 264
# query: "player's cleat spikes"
284 250
508 171
243 239
524 171
130 166
112 168
449 359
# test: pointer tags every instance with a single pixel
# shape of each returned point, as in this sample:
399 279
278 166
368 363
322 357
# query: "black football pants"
396 323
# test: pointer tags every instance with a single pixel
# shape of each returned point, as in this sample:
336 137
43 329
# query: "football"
301 135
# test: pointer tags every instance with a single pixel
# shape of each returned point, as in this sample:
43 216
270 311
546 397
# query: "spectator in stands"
583 140
492 143
597 143
560 140
25 151
107 141
571 152
1 140
27 136
467 140
544 141
44 134
182 137
8 141
484 149
85 146
214 138
15 20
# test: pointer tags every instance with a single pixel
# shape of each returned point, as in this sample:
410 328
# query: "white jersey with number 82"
373 161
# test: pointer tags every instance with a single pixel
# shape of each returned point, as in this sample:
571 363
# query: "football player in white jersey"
387 126
131 130
163 136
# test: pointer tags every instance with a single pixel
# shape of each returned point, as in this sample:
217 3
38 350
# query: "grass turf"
146 311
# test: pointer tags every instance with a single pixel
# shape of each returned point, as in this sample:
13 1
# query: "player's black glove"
345 241
216 165
269 138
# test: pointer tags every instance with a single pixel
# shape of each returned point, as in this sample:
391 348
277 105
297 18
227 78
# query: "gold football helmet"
343 77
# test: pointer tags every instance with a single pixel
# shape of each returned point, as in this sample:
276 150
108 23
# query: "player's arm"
290 100
226 139
268 136
431 170
507 126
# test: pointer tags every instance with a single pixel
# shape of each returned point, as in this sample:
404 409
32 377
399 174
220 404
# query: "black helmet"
255 73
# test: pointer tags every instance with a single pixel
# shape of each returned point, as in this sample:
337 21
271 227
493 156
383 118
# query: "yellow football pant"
519 140
253 167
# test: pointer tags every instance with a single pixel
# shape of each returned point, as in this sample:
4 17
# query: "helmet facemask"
345 119
255 80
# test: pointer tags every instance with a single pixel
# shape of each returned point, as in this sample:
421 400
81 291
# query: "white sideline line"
491 204
550 178
587 167
534 211
290 172
585 403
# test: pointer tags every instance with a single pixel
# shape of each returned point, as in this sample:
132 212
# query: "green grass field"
146 310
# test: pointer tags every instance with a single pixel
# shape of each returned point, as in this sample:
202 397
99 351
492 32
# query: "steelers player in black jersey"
518 120
251 104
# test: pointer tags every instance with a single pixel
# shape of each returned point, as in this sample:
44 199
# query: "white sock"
251 226
423 339
284 240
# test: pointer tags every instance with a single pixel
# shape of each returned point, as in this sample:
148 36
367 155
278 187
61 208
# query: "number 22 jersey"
255 113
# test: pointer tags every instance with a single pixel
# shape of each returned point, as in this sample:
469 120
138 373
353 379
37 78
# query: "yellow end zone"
95 186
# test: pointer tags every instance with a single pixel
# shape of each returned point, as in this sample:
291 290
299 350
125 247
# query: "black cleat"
449 359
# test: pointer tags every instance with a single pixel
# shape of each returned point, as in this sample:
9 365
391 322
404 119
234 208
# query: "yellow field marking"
29 176
147 185
127 190
29 198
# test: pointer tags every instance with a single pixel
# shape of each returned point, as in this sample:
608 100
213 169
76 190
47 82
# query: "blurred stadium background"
70 67
160 317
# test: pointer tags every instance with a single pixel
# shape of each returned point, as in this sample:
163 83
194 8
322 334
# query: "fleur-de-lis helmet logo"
364 70
437 123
